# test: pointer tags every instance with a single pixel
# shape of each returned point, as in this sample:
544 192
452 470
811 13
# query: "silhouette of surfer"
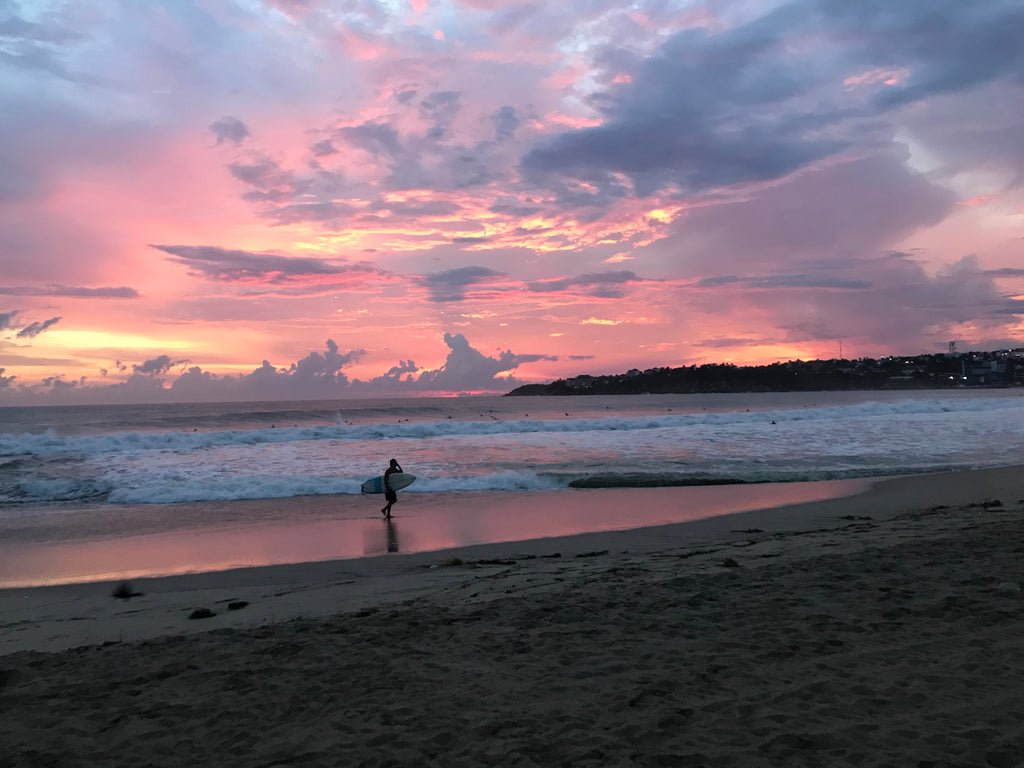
389 493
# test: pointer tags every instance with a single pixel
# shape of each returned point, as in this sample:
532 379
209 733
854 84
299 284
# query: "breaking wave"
50 443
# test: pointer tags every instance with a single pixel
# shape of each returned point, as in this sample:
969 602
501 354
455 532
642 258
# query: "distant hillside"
984 369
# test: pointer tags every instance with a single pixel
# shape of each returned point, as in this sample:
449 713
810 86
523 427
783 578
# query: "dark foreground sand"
884 630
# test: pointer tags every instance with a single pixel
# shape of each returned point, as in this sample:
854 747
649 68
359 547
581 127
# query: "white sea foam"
857 439
51 444
166 490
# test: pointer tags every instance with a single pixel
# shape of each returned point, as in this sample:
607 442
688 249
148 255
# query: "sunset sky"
216 199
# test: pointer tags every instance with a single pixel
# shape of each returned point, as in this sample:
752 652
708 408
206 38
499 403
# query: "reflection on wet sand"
380 539
430 522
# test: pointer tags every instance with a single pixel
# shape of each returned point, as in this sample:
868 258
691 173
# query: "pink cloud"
312 174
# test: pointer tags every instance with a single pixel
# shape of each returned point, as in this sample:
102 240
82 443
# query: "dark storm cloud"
32 330
74 291
229 129
233 265
452 284
710 109
598 285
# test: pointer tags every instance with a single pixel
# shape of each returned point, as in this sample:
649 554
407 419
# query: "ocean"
77 473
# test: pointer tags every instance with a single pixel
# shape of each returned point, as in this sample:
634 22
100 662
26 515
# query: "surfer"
389 492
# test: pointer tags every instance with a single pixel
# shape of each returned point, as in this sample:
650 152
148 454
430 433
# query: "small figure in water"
389 492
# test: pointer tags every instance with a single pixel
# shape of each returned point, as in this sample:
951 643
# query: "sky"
235 200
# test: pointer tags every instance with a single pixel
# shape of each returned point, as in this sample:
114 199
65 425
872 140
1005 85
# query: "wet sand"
103 543
880 629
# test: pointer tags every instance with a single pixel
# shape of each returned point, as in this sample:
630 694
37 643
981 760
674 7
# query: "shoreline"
221 536
59 617
882 629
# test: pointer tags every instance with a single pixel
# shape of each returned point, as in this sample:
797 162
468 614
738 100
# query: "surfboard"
398 481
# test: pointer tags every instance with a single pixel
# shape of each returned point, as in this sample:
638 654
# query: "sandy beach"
881 629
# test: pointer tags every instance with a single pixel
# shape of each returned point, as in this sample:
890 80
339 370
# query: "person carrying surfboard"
389 493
